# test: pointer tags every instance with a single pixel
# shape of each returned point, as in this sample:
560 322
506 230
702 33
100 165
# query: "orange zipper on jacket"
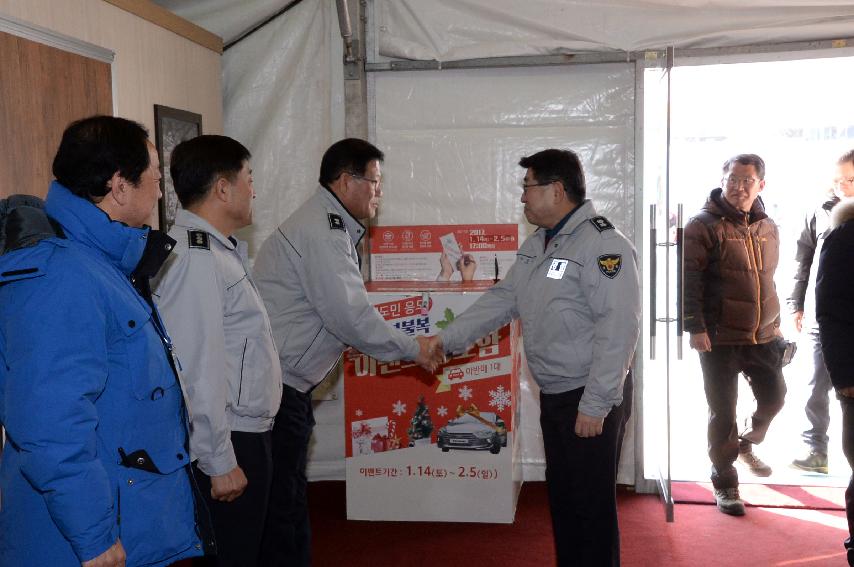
753 256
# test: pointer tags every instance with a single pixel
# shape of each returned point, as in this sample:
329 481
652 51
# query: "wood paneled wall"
152 65
42 89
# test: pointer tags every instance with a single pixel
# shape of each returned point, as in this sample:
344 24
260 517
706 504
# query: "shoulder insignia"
198 239
335 222
610 264
601 223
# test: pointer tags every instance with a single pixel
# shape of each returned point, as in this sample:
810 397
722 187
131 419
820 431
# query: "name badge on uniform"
557 268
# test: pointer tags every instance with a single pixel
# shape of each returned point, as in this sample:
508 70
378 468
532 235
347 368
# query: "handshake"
431 354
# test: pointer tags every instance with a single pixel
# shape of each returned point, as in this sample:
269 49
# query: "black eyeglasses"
374 182
733 181
526 186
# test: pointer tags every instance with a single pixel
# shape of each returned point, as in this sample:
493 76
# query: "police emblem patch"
335 221
198 239
610 264
601 223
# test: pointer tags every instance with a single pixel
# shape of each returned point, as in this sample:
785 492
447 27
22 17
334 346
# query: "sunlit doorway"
797 115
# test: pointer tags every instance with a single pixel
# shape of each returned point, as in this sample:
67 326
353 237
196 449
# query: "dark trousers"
848 448
628 402
762 365
818 404
581 475
239 525
287 534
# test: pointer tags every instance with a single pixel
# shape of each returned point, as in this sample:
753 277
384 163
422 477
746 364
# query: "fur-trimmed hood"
842 212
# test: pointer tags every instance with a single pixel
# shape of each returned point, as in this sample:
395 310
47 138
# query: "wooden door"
42 89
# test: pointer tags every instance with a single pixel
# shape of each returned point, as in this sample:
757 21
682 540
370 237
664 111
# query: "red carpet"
766 495
701 536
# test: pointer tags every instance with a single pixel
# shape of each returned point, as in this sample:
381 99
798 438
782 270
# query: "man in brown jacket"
733 314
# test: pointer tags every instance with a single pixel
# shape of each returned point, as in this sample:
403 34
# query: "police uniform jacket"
93 411
223 339
579 302
308 274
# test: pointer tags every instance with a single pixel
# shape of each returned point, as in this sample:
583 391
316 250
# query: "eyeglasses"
374 182
526 186
733 181
844 180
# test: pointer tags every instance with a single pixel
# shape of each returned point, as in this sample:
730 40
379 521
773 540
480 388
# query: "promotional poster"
433 447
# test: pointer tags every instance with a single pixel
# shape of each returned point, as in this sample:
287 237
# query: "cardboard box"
422 447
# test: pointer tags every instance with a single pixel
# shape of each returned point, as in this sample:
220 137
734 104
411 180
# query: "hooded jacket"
815 229
96 429
834 296
730 260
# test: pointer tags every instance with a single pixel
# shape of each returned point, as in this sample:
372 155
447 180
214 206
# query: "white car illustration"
488 431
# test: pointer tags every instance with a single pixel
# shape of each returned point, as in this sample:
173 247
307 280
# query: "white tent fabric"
449 30
228 19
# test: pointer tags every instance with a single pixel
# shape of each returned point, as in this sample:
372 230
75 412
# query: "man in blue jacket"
94 471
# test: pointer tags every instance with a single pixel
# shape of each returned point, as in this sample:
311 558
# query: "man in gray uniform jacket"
575 287
224 341
308 274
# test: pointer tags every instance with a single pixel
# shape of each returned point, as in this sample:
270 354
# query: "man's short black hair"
197 163
559 165
95 148
847 157
747 159
349 155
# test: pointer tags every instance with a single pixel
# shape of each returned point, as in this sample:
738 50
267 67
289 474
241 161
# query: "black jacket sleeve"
804 258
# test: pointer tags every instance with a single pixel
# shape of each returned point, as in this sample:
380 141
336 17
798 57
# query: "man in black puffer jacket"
834 301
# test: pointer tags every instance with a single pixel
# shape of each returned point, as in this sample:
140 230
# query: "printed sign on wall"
442 252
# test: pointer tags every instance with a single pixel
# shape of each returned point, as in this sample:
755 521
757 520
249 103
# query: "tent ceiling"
229 19
448 30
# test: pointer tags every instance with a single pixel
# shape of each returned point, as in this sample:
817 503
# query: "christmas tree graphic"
421 426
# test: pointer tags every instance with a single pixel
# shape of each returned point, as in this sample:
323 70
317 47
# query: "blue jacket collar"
85 223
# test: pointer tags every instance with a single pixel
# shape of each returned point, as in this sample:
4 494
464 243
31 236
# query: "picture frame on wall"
171 127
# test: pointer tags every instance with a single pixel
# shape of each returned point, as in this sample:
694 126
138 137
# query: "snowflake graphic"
358 413
500 398
465 392
399 408
442 411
